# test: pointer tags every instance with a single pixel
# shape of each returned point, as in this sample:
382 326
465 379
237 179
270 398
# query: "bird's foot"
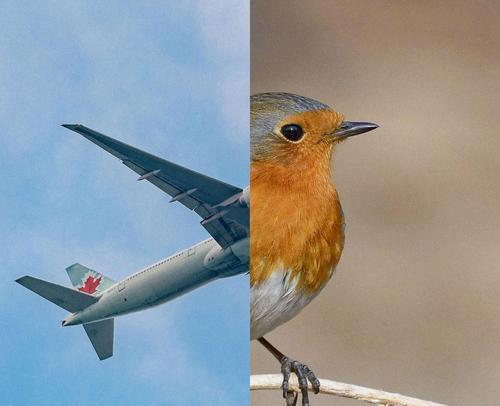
304 374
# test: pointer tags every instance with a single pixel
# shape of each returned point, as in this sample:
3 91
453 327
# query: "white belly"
274 302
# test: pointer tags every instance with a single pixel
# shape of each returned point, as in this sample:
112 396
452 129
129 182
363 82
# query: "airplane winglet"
71 126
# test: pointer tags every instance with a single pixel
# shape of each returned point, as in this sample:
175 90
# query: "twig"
374 396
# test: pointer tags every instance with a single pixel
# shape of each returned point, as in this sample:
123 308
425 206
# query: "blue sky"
171 78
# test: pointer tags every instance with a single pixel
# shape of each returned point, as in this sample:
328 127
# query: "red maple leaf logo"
90 285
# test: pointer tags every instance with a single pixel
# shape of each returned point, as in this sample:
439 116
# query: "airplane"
96 300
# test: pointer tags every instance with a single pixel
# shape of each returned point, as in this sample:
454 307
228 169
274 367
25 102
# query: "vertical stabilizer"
87 280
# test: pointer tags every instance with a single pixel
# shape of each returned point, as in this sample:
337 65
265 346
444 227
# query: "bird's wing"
224 213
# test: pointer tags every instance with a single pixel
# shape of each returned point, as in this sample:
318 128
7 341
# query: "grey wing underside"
223 213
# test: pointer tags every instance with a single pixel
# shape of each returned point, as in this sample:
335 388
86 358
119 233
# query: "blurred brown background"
414 306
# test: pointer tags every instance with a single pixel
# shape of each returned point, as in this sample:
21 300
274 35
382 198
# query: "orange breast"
295 225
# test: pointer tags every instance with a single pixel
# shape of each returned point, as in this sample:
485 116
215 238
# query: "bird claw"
304 373
291 398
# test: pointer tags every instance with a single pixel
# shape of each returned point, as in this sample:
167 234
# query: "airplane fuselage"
167 279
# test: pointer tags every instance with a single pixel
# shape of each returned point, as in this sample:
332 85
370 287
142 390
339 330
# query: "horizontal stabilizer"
101 336
69 299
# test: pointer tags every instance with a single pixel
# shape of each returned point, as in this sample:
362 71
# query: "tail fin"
68 299
87 280
100 334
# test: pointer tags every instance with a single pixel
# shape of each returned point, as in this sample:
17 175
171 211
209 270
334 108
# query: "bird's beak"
350 128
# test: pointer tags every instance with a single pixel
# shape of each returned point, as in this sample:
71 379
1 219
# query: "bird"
296 219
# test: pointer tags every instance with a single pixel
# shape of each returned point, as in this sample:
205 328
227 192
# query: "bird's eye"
292 132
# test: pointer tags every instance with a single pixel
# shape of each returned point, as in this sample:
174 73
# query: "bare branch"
374 396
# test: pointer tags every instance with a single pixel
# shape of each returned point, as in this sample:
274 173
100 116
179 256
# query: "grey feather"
267 109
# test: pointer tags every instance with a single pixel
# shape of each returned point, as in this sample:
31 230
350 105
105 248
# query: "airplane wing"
224 212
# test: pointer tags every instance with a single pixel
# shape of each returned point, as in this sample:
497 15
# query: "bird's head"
291 131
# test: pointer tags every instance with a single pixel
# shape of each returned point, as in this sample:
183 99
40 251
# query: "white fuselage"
165 280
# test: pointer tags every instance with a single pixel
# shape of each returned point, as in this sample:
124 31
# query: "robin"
296 221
